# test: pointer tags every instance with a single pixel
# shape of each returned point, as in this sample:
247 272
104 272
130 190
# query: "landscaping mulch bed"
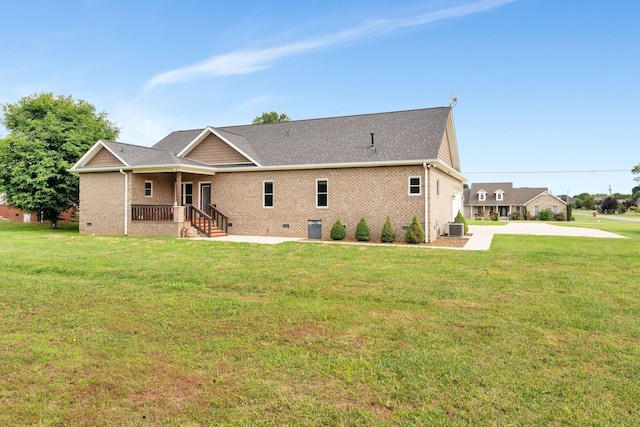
441 242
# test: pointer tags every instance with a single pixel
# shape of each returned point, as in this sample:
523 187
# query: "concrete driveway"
483 234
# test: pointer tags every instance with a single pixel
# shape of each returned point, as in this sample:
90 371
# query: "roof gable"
542 194
212 150
225 146
104 157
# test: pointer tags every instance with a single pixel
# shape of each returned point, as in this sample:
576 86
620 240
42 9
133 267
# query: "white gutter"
426 201
212 170
126 199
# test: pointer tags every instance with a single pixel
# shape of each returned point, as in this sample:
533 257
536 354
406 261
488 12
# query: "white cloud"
251 60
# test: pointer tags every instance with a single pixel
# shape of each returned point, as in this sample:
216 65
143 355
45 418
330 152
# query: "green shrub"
362 231
622 209
494 216
415 233
460 219
545 215
525 214
388 233
514 216
337 231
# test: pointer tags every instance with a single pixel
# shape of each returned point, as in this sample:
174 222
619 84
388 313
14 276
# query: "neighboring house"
12 214
289 179
483 199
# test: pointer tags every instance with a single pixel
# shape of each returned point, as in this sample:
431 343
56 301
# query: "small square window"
148 189
415 188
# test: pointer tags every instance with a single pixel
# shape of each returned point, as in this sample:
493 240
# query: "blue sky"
546 89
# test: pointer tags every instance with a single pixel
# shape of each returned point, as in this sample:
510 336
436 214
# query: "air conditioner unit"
456 229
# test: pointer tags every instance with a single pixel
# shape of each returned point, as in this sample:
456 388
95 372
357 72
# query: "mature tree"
588 202
636 171
577 201
609 205
47 135
271 117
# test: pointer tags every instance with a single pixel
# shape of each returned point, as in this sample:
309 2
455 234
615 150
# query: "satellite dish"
454 100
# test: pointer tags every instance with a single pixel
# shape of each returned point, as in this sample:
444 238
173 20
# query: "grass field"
104 331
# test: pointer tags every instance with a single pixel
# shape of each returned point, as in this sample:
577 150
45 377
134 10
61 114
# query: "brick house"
483 199
289 179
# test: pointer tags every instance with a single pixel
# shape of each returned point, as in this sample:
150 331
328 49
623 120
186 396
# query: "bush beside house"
415 233
388 233
362 231
337 231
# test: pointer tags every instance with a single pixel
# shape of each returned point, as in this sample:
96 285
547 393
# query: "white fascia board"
90 154
211 170
150 169
206 132
435 162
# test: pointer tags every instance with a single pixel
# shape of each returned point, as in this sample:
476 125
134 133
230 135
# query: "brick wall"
369 193
102 203
546 201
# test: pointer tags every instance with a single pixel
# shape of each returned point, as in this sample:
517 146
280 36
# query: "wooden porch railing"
152 213
200 220
220 220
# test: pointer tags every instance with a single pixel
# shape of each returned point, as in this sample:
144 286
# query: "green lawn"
99 330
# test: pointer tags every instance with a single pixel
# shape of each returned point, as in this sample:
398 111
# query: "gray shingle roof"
135 155
512 195
399 136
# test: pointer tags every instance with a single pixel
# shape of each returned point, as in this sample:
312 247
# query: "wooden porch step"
192 232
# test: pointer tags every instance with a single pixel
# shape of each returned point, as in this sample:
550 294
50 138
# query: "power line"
521 172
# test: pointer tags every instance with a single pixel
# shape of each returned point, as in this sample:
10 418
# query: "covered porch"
175 204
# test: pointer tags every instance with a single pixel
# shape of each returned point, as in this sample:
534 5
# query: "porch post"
178 192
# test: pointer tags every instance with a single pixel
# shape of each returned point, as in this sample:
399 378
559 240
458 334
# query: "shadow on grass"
38 227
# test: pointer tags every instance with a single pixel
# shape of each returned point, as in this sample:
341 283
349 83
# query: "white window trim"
184 193
317 193
419 193
145 189
264 194
482 196
499 196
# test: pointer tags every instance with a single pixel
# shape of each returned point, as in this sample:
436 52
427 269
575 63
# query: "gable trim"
544 193
95 149
211 131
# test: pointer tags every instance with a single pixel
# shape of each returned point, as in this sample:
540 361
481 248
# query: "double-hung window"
415 189
322 193
148 189
267 191
187 193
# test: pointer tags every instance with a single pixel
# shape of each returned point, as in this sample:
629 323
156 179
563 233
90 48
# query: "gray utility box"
455 229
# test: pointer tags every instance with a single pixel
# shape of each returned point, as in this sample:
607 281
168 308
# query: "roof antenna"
454 100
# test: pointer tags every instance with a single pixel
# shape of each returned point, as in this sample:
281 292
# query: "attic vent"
373 147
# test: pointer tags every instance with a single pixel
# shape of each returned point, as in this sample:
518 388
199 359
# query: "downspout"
126 199
426 201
